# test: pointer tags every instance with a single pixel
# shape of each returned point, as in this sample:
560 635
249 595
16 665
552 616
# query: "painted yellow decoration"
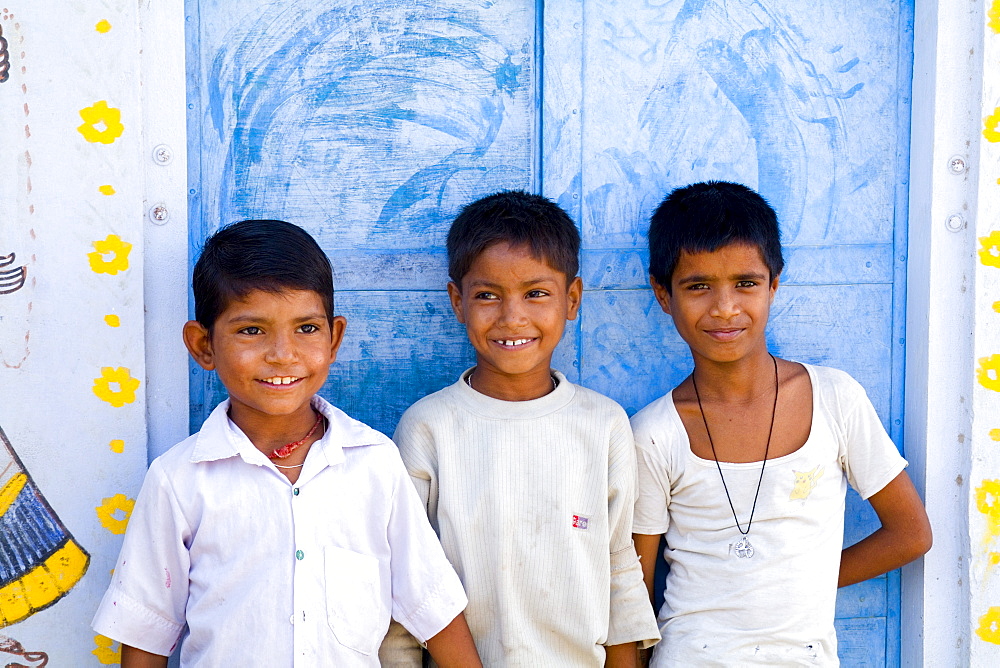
108 513
103 26
988 503
995 434
10 491
996 306
989 254
805 482
117 445
43 585
106 190
112 320
989 626
125 392
988 372
119 250
108 652
994 15
994 558
101 123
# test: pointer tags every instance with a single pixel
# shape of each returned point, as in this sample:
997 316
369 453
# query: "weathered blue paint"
371 123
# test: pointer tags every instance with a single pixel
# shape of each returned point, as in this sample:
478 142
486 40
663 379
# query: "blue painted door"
371 123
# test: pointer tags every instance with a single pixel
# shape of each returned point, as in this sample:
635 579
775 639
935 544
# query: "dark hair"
703 217
269 255
514 217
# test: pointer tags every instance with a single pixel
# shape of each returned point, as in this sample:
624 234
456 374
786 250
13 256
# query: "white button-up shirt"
264 572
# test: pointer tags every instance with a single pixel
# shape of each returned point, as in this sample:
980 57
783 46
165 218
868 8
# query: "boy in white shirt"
284 533
745 465
528 479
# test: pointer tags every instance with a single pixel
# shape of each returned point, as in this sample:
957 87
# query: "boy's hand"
905 534
452 647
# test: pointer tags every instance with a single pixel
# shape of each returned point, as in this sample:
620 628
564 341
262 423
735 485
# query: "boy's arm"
625 655
453 646
905 534
133 657
647 546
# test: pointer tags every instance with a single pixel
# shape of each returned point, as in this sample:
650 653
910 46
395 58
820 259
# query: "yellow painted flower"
108 652
994 13
988 503
103 26
125 392
114 513
995 434
988 373
119 251
101 123
989 626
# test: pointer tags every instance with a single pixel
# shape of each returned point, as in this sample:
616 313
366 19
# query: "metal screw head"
956 165
955 222
159 214
163 155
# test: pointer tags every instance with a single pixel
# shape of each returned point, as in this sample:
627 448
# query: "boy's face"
272 351
514 308
720 302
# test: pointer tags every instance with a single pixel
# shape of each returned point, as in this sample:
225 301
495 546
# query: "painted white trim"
164 99
947 76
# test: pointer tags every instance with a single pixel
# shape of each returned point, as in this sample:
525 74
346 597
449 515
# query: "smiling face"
720 302
514 307
272 351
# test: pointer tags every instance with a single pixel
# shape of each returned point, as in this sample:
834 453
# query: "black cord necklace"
743 549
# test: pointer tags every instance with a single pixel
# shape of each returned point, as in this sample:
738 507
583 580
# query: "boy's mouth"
727 334
512 343
280 380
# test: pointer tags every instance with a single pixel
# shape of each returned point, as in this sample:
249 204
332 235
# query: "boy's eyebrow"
251 318
482 283
705 278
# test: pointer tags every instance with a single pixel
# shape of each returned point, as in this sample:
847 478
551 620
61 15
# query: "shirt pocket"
352 598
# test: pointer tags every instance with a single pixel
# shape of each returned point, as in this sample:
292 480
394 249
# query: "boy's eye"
746 284
485 295
309 328
251 331
698 286
535 294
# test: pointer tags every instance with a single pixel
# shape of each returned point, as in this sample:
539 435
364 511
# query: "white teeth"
514 342
281 380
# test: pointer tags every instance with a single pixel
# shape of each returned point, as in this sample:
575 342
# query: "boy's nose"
512 313
280 350
726 305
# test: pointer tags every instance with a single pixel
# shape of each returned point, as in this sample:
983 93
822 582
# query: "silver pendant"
743 549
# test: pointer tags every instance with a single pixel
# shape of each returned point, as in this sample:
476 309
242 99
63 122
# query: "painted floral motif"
120 376
107 651
119 251
114 513
101 123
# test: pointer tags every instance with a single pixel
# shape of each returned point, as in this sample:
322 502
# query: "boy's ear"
774 286
662 295
337 328
199 343
455 295
574 294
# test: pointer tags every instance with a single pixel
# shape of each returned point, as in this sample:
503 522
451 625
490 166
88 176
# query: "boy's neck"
735 382
270 432
511 388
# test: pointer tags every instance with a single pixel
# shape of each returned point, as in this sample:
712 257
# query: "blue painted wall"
371 123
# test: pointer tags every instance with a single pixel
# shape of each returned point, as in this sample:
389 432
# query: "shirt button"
295 492
300 555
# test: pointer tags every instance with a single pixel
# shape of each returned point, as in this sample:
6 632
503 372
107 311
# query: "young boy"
744 465
284 532
528 479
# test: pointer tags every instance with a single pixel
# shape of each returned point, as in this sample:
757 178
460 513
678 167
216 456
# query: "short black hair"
703 217
269 255
516 218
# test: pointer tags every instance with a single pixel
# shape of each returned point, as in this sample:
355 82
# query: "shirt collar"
220 438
